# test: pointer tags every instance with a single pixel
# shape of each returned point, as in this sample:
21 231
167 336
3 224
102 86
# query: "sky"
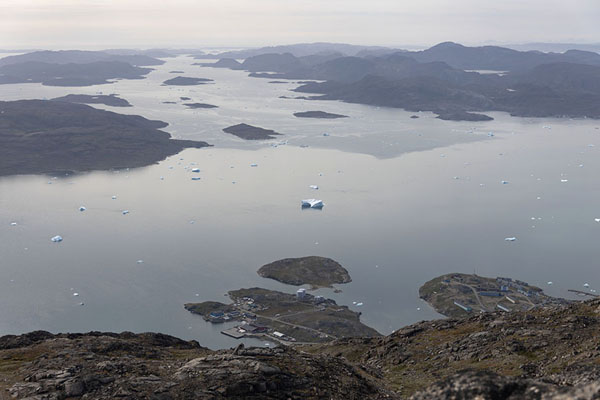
95 24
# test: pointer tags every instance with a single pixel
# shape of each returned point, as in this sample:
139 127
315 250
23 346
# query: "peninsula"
44 136
460 295
283 317
111 100
315 271
199 105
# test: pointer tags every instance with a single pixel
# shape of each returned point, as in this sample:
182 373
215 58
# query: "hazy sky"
200 23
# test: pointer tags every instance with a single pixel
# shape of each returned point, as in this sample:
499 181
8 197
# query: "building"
466 308
301 294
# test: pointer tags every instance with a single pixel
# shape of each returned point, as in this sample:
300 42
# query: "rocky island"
315 271
250 132
283 317
459 295
318 114
199 105
43 136
111 100
186 81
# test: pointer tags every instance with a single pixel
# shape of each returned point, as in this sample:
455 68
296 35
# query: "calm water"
406 200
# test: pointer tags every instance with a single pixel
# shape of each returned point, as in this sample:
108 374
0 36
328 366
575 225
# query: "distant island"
318 114
315 271
110 100
250 132
442 79
44 136
459 295
186 81
95 73
200 105
283 317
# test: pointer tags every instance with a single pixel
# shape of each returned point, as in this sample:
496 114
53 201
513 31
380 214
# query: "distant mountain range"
441 79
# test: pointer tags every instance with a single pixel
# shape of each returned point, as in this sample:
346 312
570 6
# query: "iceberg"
125 212
13 224
195 169
312 203
82 208
196 178
254 165
313 187
57 239
510 239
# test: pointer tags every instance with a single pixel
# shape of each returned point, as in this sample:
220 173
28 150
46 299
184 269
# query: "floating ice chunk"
510 239
75 294
359 304
564 180
125 212
114 197
170 167
254 165
162 178
56 239
140 261
81 304
504 182
586 285
82 208
312 203
196 178
597 219
353 302
195 169
550 283
455 178
490 134
313 187
325 134
13 224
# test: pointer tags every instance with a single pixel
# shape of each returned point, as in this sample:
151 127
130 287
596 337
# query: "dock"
234 333
583 293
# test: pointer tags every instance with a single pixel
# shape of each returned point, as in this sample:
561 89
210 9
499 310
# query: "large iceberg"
312 203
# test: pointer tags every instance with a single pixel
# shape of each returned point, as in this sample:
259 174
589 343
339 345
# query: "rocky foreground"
549 353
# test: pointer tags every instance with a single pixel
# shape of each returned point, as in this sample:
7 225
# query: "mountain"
298 50
546 353
79 57
498 58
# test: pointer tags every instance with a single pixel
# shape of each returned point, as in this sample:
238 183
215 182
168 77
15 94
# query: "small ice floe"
196 178
325 134
254 165
162 178
564 180
359 304
586 285
312 203
195 169
313 187
81 304
13 224
75 294
354 302
140 261
418 308
504 182
82 208
114 197
510 239
455 178
550 283
597 219
490 134
56 239
170 167
125 212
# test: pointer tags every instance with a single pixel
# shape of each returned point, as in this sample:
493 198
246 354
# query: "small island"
111 100
462 116
186 81
200 105
283 317
45 136
459 295
249 132
318 114
315 271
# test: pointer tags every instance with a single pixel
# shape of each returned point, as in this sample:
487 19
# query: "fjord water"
405 200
